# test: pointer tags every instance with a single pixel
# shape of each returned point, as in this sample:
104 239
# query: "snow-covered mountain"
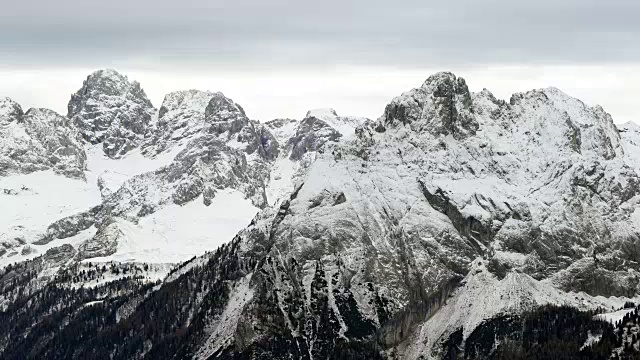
38 140
118 181
408 236
110 110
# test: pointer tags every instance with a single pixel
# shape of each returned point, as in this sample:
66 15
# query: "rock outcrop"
442 106
37 140
110 110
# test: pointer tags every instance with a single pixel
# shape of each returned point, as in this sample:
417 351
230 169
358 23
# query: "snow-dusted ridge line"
107 101
450 209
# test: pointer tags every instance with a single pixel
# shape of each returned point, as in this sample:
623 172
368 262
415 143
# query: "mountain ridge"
381 240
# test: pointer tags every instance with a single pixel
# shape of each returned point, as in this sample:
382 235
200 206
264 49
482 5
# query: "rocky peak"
192 113
9 110
180 116
441 106
224 115
39 139
229 122
345 125
217 148
105 82
311 134
326 114
186 103
59 138
109 109
557 118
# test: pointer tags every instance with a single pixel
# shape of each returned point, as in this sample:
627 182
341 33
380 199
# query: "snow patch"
613 317
345 125
112 173
177 233
33 201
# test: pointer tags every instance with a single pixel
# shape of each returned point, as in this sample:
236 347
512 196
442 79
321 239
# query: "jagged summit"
224 115
322 113
181 115
441 78
441 106
105 82
109 109
59 140
9 110
189 113
311 134
191 101
590 129
345 125
38 140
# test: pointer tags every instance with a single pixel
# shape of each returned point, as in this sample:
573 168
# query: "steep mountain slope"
402 238
539 186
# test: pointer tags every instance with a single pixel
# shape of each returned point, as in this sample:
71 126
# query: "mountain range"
456 225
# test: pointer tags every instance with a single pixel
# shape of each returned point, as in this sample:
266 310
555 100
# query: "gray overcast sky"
354 55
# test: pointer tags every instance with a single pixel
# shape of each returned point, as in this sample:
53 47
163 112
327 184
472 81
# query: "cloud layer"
279 33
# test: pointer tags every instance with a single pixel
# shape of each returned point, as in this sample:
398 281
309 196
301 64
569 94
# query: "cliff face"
110 110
